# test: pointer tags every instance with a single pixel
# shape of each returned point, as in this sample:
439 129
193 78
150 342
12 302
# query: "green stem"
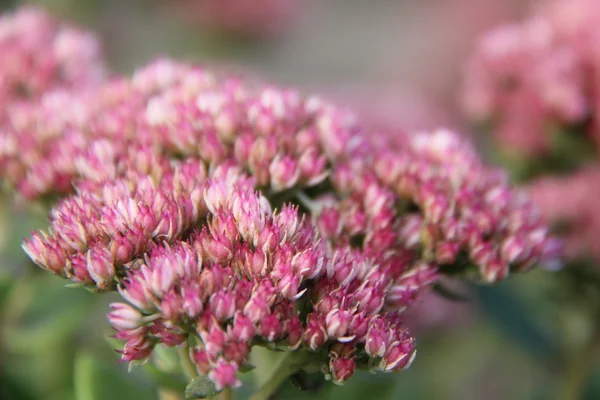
168 394
293 362
186 363
164 380
226 394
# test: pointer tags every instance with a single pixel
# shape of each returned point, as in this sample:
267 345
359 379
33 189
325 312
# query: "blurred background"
396 61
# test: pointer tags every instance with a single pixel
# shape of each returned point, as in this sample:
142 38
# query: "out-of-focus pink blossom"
576 216
531 78
40 54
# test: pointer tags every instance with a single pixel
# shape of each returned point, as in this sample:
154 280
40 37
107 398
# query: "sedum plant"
231 215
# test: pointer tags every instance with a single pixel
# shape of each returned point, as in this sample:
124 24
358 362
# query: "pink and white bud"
341 369
288 285
192 302
124 317
399 355
256 309
137 292
201 361
101 267
315 333
46 252
294 329
224 374
337 322
377 339
222 305
312 166
270 327
242 329
329 222
284 173
513 250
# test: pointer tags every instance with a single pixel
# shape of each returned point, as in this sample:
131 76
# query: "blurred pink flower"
570 203
40 54
531 78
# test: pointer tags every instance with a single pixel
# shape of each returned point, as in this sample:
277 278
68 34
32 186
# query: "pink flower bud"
256 309
312 166
200 358
377 339
236 352
191 300
288 285
494 270
124 317
171 306
242 329
224 374
46 252
101 267
284 173
214 341
315 333
270 328
341 369
337 322
446 252
329 222
135 290
513 250
222 305
399 355
294 329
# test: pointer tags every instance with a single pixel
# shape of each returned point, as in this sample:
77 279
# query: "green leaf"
508 315
247 367
200 388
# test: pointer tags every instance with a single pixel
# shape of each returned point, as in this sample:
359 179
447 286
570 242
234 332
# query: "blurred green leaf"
505 311
96 380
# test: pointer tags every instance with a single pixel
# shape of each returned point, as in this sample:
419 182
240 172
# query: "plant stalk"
291 363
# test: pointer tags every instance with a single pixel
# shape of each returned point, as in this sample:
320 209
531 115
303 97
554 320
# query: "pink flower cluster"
40 54
577 219
530 78
255 276
171 178
71 135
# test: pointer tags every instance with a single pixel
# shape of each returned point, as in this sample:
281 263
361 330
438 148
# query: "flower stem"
293 362
186 363
226 394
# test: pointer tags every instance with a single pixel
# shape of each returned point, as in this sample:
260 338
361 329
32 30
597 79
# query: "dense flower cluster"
40 54
48 144
532 78
163 170
241 215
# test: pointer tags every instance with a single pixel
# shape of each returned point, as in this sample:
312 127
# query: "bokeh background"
398 62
